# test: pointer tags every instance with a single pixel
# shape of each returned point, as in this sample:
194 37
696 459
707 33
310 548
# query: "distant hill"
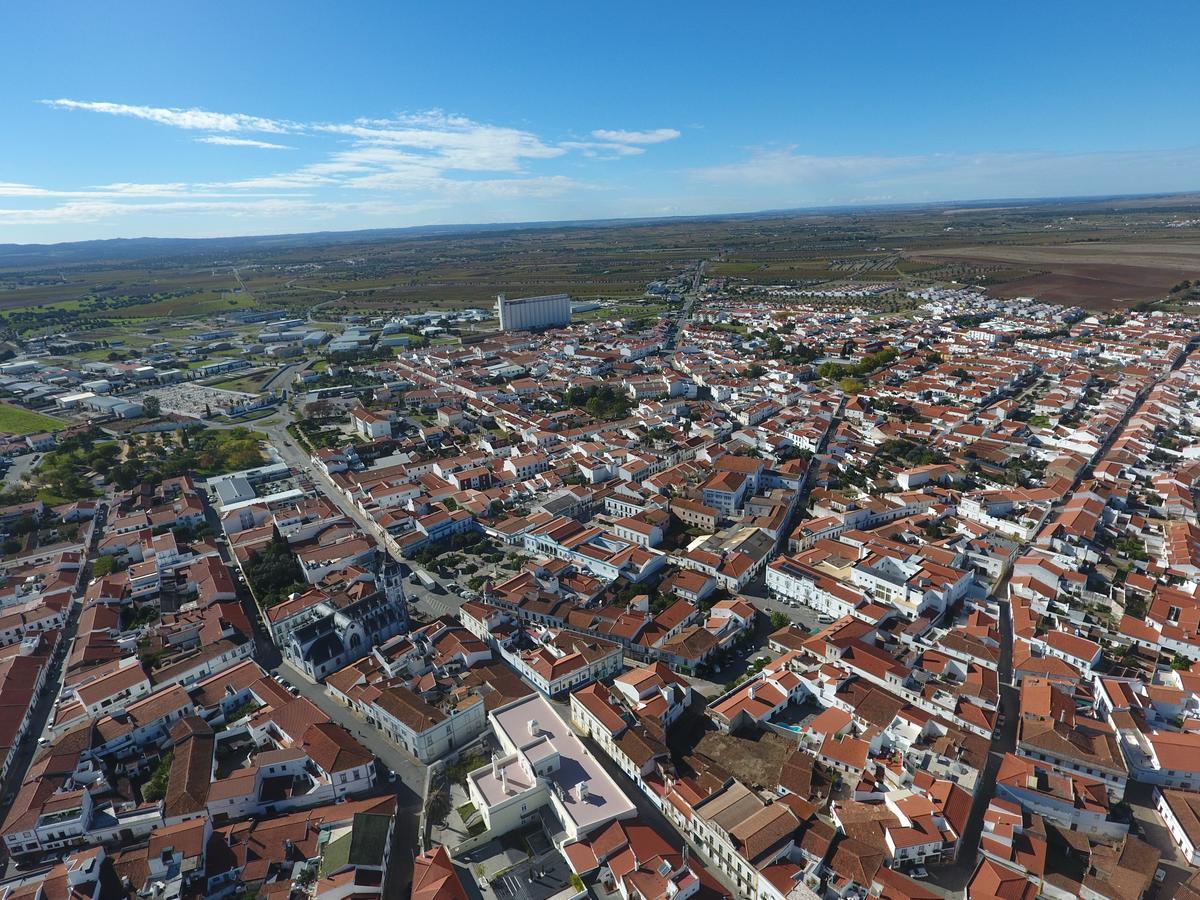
118 250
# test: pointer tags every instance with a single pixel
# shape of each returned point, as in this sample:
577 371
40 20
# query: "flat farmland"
398 280
22 290
776 271
1095 274
1094 252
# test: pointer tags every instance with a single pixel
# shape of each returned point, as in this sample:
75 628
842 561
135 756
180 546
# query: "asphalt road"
648 813
410 773
955 876
1140 798
43 703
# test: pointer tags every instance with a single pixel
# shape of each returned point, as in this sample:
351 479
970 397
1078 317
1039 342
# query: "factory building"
531 313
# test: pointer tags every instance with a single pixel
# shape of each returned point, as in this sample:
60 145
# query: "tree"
274 571
104 565
779 620
151 406
156 787
24 525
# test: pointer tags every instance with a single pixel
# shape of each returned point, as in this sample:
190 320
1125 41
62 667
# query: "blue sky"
200 119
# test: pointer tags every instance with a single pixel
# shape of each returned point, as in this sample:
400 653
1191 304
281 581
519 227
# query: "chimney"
581 791
533 728
495 766
504 781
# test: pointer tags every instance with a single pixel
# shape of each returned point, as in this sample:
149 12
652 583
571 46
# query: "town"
729 591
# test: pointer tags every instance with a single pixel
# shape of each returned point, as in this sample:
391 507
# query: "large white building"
529 313
541 764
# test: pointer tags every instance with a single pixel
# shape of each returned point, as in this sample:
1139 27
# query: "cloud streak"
190 119
656 136
224 141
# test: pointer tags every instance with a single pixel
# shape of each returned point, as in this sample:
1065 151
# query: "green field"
15 420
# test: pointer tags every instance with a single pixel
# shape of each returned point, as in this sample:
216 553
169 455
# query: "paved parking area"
520 866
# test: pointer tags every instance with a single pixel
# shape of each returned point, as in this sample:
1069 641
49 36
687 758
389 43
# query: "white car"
919 872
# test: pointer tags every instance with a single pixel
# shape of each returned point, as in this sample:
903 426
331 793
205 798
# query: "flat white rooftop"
604 800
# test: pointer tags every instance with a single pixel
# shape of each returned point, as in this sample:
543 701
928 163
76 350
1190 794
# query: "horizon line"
464 227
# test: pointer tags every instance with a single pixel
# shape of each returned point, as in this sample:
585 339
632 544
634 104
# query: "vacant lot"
247 382
754 760
1095 274
14 420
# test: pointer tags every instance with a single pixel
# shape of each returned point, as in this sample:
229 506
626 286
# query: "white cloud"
458 142
656 136
118 190
406 164
14 189
223 141
199 119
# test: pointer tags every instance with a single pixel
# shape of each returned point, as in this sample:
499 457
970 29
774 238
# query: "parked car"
919 872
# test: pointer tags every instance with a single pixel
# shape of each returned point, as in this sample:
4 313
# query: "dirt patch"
1092 286
752 759
1094 274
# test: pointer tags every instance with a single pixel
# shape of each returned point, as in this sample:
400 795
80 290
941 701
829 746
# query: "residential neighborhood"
764 598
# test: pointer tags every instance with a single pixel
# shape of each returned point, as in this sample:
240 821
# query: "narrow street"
1004 740
43 703
648 813
955 876
410 774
